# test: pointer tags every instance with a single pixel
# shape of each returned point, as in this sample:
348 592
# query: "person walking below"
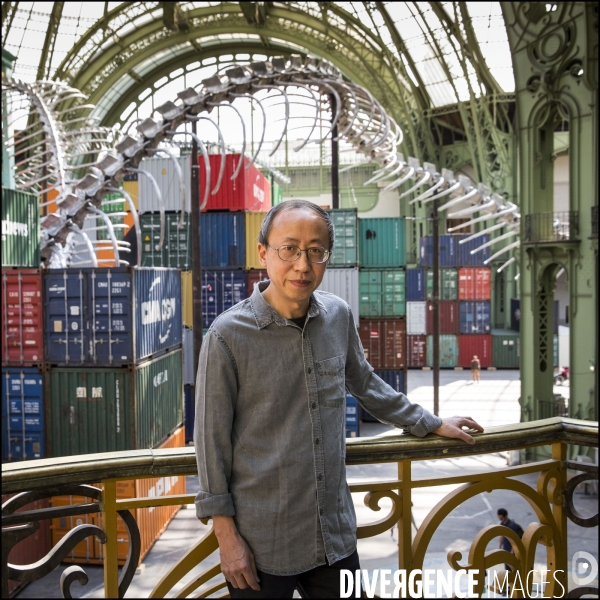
475 369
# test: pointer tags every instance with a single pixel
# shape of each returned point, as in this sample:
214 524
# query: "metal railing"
552 227
551 501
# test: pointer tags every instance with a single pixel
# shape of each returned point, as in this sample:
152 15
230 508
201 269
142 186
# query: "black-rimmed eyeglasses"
315 255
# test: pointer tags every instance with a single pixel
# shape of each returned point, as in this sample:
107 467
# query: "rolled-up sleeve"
216 392
377 397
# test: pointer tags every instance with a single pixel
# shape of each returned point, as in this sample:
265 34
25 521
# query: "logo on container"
161 378
159 310
13 228
259 193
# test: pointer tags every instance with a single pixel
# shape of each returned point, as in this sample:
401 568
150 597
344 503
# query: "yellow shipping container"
187 299
253 222
132 188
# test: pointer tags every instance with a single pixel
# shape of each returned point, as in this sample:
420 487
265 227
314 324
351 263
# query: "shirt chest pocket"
331 381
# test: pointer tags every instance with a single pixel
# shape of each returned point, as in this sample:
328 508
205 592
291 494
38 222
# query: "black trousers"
321 582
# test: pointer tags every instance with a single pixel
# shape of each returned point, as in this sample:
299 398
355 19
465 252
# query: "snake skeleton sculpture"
57 148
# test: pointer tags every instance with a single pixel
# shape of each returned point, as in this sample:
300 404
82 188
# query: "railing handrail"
138 464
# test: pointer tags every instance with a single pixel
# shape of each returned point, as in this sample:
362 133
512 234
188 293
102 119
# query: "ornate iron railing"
552 502
552 227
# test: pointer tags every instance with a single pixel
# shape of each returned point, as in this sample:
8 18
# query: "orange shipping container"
151 521
474 283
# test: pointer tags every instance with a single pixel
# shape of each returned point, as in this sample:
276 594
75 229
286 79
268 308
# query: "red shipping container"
384 342
474 283
417 350
254 276
22 317
475 345
32 548
449 318
249 191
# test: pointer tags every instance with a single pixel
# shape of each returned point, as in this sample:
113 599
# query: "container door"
394 293
370 292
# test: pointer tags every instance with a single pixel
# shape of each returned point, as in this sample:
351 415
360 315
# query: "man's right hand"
237 561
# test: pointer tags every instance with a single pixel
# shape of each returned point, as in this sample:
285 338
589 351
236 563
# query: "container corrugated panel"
150 231
449 317
448 284
90 314
370 292
189 377
344 284
22 317
276 193
151 522
475 317
249 191
33 548
189 412
108 410
165 174
177 247
20 229
416 318
466 259
384 342
221 289
223 240
382 293
417 350
506 352
254 276
133 189
22 414
415 285
515 315
345 250
448 251
448 351
352 417
555 346
382 242
395 379
475 283
253 222
475 345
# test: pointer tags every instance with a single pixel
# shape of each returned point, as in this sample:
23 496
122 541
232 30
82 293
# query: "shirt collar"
265 314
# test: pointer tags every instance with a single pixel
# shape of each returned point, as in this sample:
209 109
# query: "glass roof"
428 40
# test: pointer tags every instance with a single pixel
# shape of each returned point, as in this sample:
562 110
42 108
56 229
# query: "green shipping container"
448 284
177 246
345 251
382 242
20 229
448 351
382 293
276 193
91 410
506 351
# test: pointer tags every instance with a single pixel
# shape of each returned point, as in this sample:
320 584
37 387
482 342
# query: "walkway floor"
492 402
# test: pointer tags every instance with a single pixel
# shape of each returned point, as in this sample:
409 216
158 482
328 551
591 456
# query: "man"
270 420
504 541
475 369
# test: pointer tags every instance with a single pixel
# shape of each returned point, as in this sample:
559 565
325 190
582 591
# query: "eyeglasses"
315 255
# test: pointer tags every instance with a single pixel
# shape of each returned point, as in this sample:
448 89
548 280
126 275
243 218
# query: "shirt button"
320 476
309 370
313 405
317 441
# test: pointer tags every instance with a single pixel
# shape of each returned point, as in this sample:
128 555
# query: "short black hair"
503 512
267 224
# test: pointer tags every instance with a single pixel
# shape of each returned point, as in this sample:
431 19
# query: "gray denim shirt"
270 428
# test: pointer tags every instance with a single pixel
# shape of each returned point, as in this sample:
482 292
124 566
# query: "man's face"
502 518
292 283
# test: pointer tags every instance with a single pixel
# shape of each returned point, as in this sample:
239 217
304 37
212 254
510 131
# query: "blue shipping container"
475 317
223 240
94 317
352 420
416 285
22 414
448 251
396 380
221 289
466 259
189 412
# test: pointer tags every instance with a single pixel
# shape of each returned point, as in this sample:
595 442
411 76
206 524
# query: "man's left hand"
452 427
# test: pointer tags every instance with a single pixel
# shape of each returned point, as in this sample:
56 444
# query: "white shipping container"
416 318
163 171
188 356
343 283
